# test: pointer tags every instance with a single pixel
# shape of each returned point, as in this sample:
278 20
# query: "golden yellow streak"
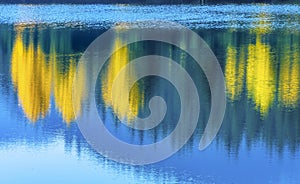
260 79
64 71
234 73
241 72
31 77
119 104
260 72
63 85
80 94
289 79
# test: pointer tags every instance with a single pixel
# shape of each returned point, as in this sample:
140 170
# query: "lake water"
257 46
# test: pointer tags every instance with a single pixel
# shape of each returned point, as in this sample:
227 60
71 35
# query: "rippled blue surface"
217 16
250 148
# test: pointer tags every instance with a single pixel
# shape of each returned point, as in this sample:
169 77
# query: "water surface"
257 47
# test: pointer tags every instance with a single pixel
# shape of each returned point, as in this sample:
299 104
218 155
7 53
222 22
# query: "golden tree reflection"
37 75
263 80
63 85
234 72
258 64
289 77
252 67
119 104
260 78
31 76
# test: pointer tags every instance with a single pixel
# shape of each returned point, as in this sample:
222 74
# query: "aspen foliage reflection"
64 70
258 65
289 76
268 78
260 77
63 85
267 75
125 109
261 67
31 77
234 72
37 75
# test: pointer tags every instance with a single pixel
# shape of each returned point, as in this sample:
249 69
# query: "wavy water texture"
193 16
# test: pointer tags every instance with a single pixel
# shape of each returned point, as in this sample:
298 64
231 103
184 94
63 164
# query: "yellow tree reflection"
36 76
261 78
64 70
119 104
234 72
62 88
31 76
289 77
257 61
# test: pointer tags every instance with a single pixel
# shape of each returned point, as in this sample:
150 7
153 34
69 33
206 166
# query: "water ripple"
193 16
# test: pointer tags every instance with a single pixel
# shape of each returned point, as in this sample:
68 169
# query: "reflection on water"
289 76
262 79
234 72
119 104
31 76
36 74
261 67
43 69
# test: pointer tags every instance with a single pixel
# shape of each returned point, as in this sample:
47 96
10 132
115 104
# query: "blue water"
217 16
253 146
